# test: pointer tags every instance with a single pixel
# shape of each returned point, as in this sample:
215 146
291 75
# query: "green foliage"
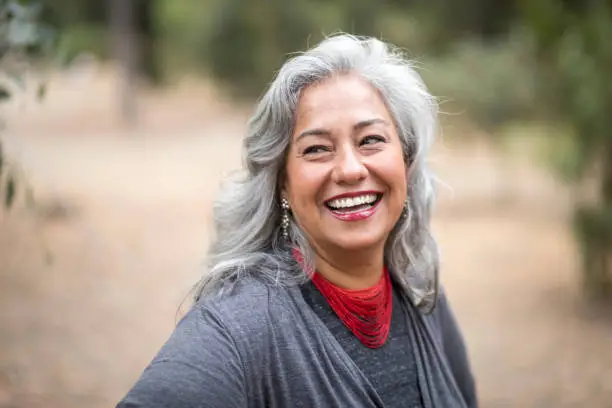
575 55
20 32
23 40
9 194
490 82
243 42
85 28
473 18
567 156
82 38
184 29
251 39
593 228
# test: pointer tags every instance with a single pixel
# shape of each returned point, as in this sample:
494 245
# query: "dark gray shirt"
392 368
263 346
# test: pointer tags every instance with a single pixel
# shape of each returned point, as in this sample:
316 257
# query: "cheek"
304 185
394 170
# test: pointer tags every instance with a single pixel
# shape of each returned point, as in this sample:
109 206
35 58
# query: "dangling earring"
405 209
285 219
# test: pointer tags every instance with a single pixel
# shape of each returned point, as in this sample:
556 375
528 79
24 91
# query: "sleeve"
199 366
456 352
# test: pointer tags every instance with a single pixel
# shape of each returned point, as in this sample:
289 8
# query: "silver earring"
405 210
285 218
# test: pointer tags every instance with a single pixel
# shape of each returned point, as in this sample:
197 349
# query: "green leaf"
9 197
4 94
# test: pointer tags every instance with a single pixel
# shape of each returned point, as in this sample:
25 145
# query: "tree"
134 49
576 57
126 52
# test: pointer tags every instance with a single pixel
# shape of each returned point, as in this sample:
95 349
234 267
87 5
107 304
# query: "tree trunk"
148 35
594 228
606 203
126 50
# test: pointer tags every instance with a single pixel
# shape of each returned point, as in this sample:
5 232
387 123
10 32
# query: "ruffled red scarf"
365 312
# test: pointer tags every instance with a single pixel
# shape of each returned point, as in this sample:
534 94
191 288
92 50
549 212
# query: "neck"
350 270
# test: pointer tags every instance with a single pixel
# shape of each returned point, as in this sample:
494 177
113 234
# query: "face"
345 173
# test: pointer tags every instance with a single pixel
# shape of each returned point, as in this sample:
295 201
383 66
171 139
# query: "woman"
322 286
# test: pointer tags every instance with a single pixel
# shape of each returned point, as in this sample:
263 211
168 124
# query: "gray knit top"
264 346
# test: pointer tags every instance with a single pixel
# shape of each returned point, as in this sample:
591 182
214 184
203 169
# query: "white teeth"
353 201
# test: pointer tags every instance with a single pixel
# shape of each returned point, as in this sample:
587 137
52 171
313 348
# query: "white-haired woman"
322 288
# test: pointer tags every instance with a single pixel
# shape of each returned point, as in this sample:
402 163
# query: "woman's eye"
316 149
372 139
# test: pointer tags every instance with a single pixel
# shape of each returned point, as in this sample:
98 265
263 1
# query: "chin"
358 242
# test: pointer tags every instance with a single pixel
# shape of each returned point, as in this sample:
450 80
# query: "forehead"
340 99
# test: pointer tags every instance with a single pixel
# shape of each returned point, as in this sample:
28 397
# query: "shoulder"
243 299
213 352
245 307
438 315
441 320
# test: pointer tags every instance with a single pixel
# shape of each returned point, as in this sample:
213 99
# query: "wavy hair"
247 213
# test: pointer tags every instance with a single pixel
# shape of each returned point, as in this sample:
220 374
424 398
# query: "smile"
354 207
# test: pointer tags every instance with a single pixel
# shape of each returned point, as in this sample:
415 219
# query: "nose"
349 168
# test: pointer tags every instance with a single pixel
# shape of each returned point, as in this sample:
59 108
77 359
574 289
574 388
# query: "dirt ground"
91 280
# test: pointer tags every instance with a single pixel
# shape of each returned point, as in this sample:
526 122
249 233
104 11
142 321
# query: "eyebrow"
358 126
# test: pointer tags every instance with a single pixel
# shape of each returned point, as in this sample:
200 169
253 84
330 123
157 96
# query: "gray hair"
247 213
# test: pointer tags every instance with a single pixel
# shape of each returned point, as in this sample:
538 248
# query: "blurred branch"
24 41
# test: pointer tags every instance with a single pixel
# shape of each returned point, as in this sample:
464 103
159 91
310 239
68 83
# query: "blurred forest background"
121 116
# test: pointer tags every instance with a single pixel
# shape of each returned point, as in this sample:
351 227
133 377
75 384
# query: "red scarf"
365 312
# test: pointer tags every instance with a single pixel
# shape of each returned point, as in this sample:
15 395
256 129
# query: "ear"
283 186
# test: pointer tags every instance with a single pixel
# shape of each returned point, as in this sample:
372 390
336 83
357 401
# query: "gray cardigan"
263 346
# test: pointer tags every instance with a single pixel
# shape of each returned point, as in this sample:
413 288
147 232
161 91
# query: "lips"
354 206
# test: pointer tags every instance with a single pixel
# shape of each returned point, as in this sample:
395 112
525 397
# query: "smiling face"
345 172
